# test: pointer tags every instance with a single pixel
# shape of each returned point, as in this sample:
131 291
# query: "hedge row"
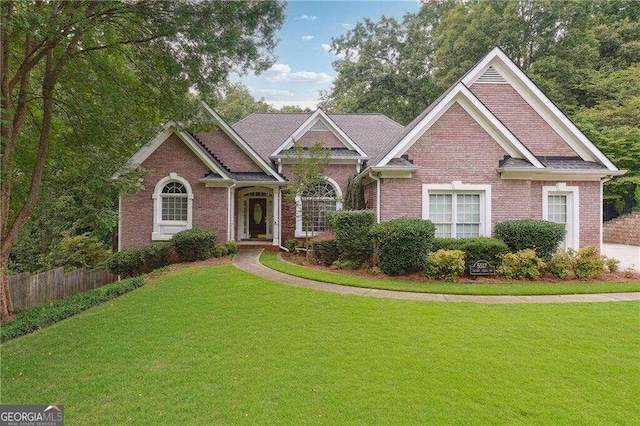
36 317
353 238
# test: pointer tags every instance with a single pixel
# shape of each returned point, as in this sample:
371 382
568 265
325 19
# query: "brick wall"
228 152
209 204
623 230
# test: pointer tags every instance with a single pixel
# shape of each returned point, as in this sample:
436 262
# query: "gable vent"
491 76
319 127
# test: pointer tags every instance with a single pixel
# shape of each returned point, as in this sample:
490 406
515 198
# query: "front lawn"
215 345
518 288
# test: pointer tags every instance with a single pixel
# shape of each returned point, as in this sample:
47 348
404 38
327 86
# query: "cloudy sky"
303 66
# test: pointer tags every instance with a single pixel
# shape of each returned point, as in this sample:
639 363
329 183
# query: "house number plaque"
482 267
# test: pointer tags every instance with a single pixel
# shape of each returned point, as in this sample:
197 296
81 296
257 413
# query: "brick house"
491 148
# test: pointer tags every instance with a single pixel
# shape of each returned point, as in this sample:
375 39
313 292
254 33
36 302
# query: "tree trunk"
7 304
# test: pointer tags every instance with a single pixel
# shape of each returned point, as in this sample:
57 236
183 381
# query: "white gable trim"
319 115
244 146
540 103
480 113
167 130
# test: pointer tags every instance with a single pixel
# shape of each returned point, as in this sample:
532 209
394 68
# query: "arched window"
315 203
172 200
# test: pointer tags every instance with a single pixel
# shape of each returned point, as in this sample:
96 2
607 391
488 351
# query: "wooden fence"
29 290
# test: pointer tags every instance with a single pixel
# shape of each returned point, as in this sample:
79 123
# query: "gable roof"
499 62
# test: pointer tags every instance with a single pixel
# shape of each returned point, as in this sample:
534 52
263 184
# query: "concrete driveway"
629 256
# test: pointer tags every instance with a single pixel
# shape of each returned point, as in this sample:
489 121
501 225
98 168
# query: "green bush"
520 265
127 262
540 235
325 251
156 255
232 247
560 264
194 244
291 245
220 250
352 234
445 265
588 264
345 264
79 251
402 244
475 248
36 317
613 265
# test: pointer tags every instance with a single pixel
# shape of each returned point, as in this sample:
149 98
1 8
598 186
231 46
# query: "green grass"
215 345
271 260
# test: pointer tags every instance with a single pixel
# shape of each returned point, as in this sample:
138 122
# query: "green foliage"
354 197
127 262
325 251
523 264
79 251
232 246
346 264
588 264
235 102
613 265
37 317
540 235
291 245
402 244
475 248
445 265
352 234
220 250
561 264
194 244
156 255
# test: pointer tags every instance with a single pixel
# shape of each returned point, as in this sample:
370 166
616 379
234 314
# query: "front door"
258 218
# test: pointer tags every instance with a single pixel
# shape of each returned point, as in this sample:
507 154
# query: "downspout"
377 179
119 222
230 213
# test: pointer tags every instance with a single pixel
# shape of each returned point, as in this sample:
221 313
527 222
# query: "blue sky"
303 65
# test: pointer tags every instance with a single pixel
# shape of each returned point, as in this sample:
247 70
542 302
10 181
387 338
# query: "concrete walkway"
629 256
248 260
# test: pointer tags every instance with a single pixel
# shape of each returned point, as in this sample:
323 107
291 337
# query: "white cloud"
326 47
346 26
303 103
273 93
308 18
307 37
282 72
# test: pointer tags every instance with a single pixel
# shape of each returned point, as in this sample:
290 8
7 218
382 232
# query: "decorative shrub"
560 264
588 263
402 244
540 235
232 247
220 250
445 264
291 245
127 262
36 317
326 251
156 255
520 265
475 248
194 244
352 234
79 251
345 264
613 265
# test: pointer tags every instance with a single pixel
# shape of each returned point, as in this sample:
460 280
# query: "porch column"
276 216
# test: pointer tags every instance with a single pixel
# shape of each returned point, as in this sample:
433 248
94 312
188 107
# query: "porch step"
267 245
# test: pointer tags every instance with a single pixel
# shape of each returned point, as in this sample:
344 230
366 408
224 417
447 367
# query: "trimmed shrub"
539 235
194 244
444 265
79 251
291 245
232 246
352 234
588 264
402 244
326 251
345 264
127 262
475 248
156 255
220 250
560 264
36 317
520 265
613 265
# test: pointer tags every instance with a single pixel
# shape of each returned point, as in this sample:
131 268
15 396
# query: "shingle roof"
335 153
265 132
556 163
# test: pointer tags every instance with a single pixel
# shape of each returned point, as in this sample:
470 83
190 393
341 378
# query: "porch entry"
258 218
255 214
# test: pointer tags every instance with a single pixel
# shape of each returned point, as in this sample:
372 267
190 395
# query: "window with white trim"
560 205
174 202
172 207
458 210
314 205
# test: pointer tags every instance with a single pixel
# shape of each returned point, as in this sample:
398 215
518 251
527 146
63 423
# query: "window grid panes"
464 207
557 212
174 202
316 203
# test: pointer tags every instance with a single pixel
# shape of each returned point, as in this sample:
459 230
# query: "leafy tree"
52 51
354 197
235 102
294 108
